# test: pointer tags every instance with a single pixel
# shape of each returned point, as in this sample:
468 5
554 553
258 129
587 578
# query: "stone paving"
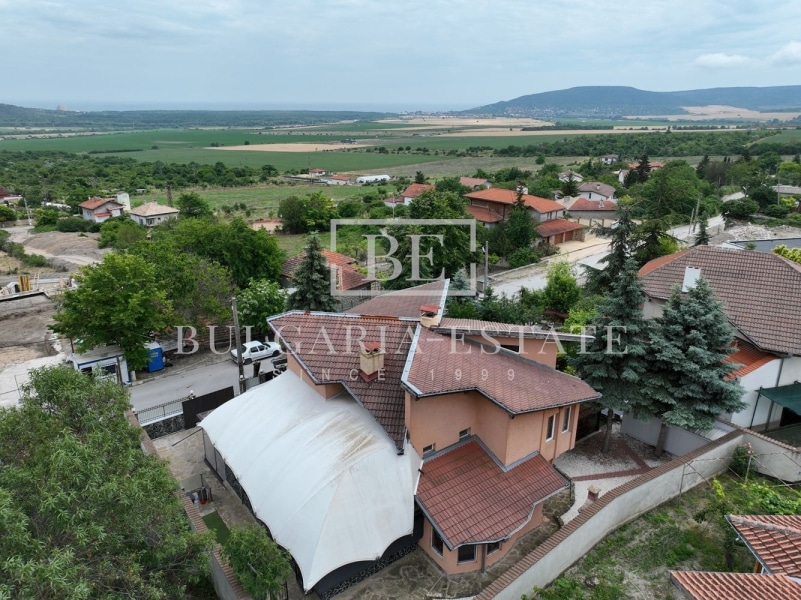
415 576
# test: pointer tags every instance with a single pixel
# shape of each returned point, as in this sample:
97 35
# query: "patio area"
415 576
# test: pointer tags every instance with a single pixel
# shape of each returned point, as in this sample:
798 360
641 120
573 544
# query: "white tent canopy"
322 474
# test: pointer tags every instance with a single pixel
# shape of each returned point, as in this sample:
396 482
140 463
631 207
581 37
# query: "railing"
160 412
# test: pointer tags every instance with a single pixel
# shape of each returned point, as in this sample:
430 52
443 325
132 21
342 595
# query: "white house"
337 180
595 190
759 291
153 213
100 209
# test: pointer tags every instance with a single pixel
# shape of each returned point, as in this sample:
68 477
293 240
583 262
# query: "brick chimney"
429 315
371 360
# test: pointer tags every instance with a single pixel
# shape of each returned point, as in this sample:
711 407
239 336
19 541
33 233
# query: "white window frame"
550 428
567 419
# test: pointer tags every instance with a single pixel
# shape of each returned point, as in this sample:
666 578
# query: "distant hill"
618 101
16 116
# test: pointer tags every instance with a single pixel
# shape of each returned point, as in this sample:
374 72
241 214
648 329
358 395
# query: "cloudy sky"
382 54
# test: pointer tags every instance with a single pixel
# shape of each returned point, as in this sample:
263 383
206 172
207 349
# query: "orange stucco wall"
541 351
326 390
439 419
448 562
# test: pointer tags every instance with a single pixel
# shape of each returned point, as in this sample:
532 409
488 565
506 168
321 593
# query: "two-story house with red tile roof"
413 191
393 428
495 205
759 292
98 210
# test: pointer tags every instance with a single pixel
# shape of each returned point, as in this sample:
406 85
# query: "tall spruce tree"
601 281
687 384
313 281
614 362
702 239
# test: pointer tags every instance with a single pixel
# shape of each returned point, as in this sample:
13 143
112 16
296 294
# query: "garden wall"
616 508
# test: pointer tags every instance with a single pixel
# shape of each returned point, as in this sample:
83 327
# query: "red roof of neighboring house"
483 215
587 204
472 182
541 205
349 277
749 357
416 189
530 387
327 347
340 177
700 585
596 186
404 303
557 226
775 540
472 499
758 291
317 171
96 202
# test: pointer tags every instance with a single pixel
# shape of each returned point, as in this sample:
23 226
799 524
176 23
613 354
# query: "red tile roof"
502 196
404 303
557 226
441 366
96 202
483 215
350 278
587 204
416 189
775 540
327 347
749 357
471 499
735 586
759 291
472 182
450 326
597 187
340 177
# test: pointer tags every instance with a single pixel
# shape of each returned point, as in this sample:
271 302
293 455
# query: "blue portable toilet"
155 357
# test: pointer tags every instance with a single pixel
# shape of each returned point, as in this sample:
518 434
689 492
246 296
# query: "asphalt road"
174 385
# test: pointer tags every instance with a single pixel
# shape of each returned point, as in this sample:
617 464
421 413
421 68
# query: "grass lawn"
215 523
633 562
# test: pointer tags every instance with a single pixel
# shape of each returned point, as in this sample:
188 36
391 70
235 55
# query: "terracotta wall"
448 562
326 390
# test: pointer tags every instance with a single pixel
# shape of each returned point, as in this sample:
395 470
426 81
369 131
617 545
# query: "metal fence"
160 412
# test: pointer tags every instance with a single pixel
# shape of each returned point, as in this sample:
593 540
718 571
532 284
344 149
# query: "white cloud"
721 60
789 54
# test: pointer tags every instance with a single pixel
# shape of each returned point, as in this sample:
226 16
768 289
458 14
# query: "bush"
73 224
776 211
740 209
523 257
741 459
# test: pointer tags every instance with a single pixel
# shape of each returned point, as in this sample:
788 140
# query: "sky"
381 54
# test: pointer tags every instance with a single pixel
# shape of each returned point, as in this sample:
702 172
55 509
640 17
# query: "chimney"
371 360
429 315
691 275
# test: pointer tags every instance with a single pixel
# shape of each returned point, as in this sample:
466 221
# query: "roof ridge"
748 522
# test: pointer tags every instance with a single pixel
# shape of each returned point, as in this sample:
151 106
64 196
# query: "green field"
786 136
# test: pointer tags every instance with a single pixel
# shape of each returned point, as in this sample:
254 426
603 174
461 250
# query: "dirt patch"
440 122
296 147
24 333
756 232
67 251
718 111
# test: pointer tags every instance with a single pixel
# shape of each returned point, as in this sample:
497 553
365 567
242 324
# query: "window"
430 449
551 427
566 421
464 433
493 547
466 554
436 542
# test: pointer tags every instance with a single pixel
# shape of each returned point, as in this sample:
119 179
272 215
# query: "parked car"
256 351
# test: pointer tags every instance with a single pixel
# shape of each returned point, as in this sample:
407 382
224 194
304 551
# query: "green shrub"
523 257
73 224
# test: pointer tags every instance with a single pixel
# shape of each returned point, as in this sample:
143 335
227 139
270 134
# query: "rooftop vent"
429 315
371 360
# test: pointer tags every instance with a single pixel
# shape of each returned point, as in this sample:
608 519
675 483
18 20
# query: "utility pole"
237 337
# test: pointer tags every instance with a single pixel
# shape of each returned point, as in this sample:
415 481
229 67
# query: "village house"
347 275
595 190
759 292
609 159
151 214
98 210
413 191
599 210
394 428
570 175
316 172
494 205
337 180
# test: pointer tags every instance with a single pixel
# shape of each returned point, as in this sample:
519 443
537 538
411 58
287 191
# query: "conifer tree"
614 362
313 281
687 384
600 281
702 239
